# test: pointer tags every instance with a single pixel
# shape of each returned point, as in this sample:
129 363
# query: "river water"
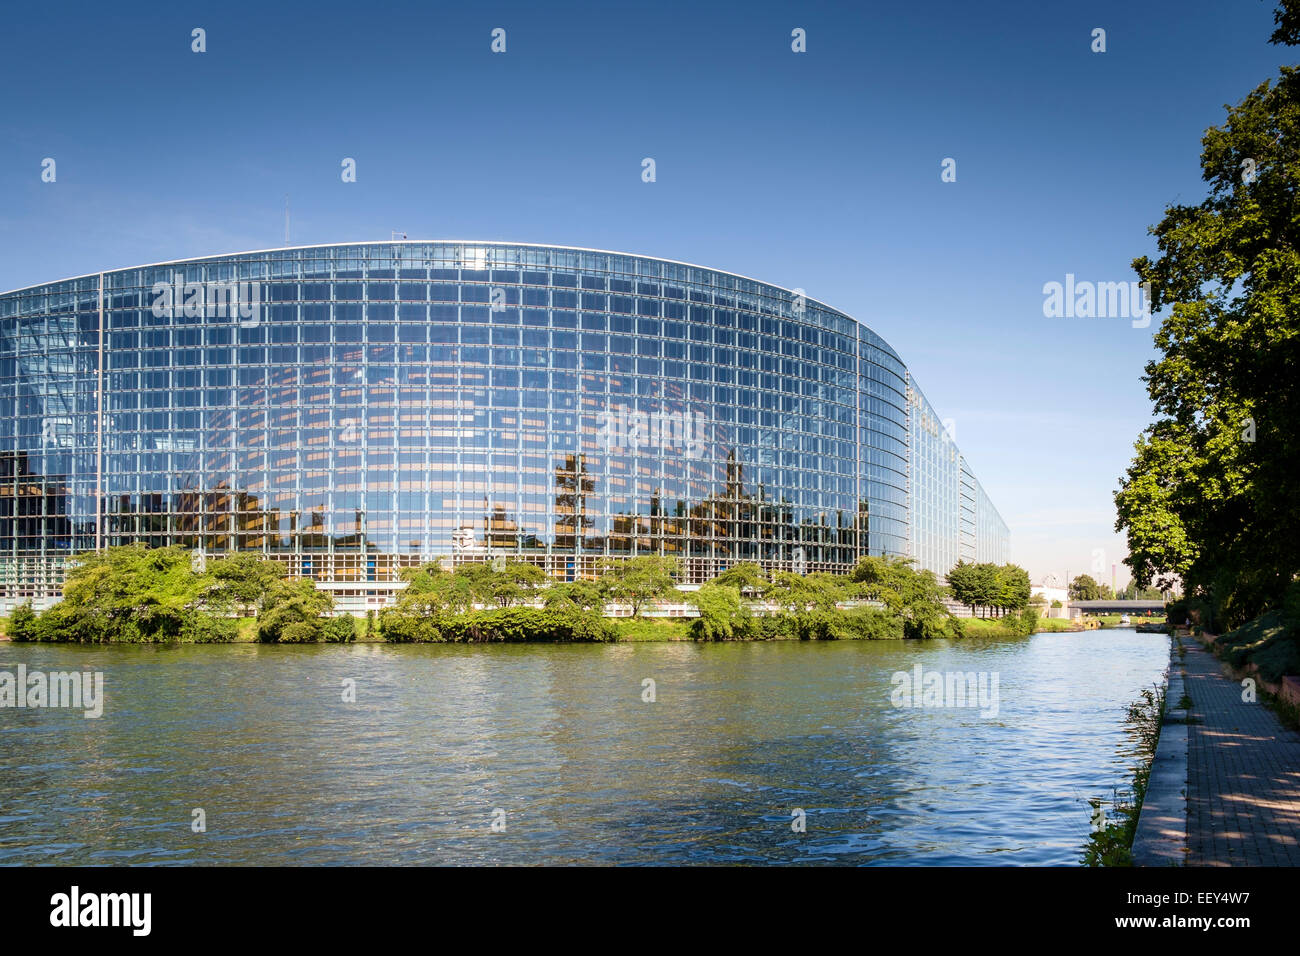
551 754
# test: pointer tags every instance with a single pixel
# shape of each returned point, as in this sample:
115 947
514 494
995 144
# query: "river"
552 754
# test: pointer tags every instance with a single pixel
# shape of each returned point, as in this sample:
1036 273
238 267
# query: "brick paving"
1243 773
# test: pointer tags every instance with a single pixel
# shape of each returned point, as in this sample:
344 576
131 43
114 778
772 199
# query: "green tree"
130 593
512 584
522 582
577 595
293 613
746 576
1131 592
22 623
1211 497
431 590
1084 588
1013 588
987 586
639 581
963 585
977 585
723 615
914 595
797 593
241 582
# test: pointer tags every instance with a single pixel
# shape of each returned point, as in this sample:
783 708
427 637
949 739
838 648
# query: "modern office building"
356 409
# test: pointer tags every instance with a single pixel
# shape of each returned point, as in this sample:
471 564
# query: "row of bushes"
510 625
135 595
857 624
526 625
818 624
506 625
67 624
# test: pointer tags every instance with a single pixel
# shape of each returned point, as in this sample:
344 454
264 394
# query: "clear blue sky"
818 170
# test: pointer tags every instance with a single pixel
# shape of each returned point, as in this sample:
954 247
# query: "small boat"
1124 621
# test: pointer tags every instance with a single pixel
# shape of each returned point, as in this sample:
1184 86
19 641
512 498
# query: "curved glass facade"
355 409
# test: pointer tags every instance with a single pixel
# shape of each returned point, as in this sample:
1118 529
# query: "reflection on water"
559 737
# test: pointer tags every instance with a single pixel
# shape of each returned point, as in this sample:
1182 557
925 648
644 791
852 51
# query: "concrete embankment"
1161 837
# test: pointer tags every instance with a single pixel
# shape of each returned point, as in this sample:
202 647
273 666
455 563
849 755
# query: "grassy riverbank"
1269 642
1115 821
999 627
1267 647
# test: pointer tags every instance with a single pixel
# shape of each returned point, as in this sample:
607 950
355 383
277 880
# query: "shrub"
1200 612
395 627
59 625
294 604
828 624
342 629
203 628
1176 613
511 625
778 627
866 624
299 632
723 617
22 623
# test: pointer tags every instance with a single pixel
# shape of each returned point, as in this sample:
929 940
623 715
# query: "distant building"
1050 592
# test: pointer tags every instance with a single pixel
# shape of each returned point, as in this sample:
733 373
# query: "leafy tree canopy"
639 581
1212 497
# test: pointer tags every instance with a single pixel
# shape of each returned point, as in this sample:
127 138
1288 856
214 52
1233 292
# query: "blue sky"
817 170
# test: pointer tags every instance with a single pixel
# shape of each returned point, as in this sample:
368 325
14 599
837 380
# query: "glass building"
356 409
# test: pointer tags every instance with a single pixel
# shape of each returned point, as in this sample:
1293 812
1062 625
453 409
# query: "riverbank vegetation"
1014 626
134 594
882 599
1115 821
1271 641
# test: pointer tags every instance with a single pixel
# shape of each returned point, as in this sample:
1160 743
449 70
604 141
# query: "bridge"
1120 607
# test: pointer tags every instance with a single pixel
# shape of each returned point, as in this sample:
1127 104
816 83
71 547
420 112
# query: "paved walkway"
1243 773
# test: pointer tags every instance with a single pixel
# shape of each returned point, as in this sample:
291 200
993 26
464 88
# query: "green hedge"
853 624
64 624
511 625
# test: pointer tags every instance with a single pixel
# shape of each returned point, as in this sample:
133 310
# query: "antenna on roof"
286 219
